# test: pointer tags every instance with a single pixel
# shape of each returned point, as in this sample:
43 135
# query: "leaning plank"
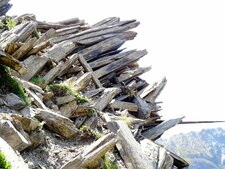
39 47
92 153
67 65
121 105
119 63
106 98
108 59
23 50
133 73
154 94
157 154
60 50
89 69
133 155
57 123
145 91
82 82
34 64
27 31
157 131
46 36
49 77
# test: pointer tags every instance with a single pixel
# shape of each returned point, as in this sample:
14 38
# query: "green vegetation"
63 89
36 33
108 164
1 24
38 80
3 162
8 83
10 23
87 129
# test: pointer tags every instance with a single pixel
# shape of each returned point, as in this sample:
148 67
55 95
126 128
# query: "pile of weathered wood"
4 7
53 60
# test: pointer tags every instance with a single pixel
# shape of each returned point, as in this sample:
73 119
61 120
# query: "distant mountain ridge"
203 150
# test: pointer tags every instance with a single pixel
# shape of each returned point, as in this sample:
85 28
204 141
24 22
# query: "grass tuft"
108 164
3 162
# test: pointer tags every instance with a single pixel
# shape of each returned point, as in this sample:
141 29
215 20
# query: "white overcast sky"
185 41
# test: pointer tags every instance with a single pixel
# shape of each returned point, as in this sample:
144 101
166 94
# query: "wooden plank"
101 47
121 105
131 150
92 153
94 92
88 68
106 98
46 36
157 131
34 65
108 59
68 64
60 50
154 94
23 50
107 21
39 47
132 73
52 74
119 63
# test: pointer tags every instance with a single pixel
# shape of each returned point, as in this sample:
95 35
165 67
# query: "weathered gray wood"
94 92
82 82
39 47
144 109
34 64
37 101
69 109
157 131
132 73
116 65
160 158
88 68
67 65
23 50
133 156
92 153
145 91
61 50
46 36
121 105
178 161
108 59
154 94
107 21
106 98
27 31
53 73
64 99
101 47
57 123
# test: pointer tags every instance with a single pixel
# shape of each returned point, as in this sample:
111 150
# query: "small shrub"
12 84
88 130
39 81
64 89
10 23
3 162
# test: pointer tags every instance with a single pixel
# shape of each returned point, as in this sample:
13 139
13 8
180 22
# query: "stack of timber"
4 7
79 84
